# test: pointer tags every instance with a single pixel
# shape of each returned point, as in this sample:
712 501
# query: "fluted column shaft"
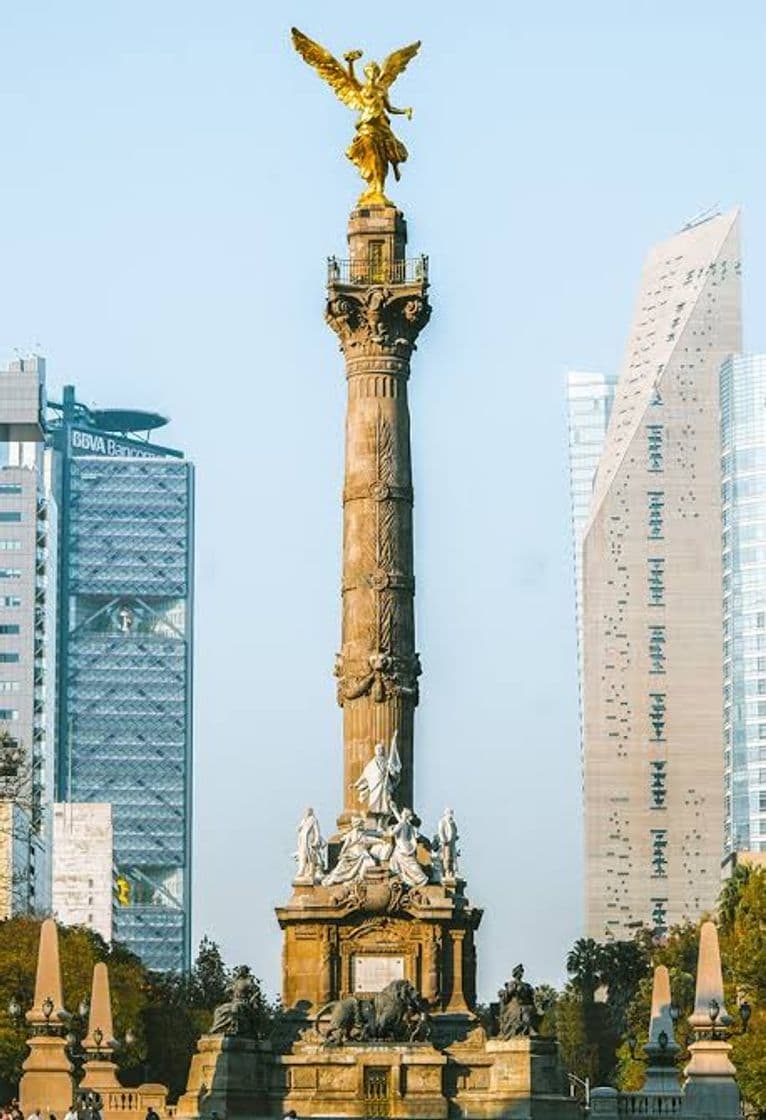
377 314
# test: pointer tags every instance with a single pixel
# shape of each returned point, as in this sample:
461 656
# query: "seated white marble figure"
354 857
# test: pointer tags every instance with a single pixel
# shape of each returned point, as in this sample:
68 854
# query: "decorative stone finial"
661 1049
100 1018
48 1008
709 1009
711 1087
661 1034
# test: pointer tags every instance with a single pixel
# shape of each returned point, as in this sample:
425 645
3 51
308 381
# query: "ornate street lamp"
98 1038
14 1008
47 1009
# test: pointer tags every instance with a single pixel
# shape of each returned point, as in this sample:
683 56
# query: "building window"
659 859
656 509
656 579
762 802
10 515
9 713
9 686
10 488
10 573
657 649
9 627
9 658
10 601
10 546
654 434
657 715
660 916
659 788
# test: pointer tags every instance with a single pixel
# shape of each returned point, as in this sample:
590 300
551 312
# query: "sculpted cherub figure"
374 148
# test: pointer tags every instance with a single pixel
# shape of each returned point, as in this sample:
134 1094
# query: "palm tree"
585 964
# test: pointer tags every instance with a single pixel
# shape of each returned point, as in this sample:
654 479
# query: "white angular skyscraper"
652 622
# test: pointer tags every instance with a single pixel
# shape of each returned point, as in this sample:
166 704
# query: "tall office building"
27 642
589 405
743 496
652 621
125 660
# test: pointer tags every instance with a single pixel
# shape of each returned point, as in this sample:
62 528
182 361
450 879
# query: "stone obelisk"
47 1081
377 304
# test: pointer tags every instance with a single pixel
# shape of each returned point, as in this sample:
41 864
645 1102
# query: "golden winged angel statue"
374 147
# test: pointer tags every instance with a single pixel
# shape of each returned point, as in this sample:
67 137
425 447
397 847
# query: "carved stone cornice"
378 320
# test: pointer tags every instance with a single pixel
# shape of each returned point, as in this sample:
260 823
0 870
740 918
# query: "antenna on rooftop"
702 216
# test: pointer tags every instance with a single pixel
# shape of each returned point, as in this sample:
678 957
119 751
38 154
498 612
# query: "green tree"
579 1053
585 964
210 977
80 949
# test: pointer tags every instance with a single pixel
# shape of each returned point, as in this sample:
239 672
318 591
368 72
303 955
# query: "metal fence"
413 270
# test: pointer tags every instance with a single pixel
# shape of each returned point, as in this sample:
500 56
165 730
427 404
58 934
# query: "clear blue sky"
173 179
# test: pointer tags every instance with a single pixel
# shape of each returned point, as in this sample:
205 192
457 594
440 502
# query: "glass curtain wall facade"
589 404
743 501
125 667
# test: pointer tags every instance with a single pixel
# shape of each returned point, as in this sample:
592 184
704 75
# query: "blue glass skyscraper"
124 715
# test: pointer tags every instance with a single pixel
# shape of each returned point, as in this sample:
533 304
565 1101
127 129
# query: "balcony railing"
413 270
650 1104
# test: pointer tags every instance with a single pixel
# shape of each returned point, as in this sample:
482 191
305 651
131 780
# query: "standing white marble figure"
404 861
447 833
311 846
379 779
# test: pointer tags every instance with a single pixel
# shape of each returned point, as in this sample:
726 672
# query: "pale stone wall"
652 599
82 866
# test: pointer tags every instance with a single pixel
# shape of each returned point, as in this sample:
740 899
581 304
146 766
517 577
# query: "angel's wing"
396 62
346 87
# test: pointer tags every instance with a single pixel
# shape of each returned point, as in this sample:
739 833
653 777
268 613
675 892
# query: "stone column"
430 977
377 305
325 967
457 995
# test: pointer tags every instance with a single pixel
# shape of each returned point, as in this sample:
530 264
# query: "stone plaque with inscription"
372 974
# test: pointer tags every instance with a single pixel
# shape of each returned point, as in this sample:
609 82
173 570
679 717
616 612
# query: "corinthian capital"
378 320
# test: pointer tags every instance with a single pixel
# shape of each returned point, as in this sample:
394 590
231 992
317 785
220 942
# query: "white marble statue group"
386 836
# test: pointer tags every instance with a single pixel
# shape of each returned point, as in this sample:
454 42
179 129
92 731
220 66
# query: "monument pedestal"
353 939
228 1077
100 1076
522 1078
47 1079
397 1080
710 1089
